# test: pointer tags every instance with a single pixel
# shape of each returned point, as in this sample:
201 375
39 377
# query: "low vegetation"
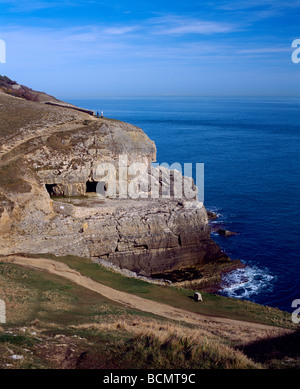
213 304
54 323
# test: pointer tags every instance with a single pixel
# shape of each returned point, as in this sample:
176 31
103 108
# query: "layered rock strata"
49 172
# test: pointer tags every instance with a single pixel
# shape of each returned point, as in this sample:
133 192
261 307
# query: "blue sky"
90 49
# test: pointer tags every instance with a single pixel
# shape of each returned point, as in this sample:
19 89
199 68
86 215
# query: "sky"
92 49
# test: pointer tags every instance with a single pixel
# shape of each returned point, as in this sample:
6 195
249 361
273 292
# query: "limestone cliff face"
53 150
69 159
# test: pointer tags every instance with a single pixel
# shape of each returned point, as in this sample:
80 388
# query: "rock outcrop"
49 159
226 232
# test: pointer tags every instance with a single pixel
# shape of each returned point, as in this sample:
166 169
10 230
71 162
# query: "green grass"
52 305
36 295
18 340
213 305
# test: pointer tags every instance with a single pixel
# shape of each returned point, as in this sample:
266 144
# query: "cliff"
49 160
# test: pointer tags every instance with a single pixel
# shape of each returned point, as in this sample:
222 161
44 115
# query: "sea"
250 147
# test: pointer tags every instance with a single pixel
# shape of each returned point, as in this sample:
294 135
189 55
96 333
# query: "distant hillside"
13 88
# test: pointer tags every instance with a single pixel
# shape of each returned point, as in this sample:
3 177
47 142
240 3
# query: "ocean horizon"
250 149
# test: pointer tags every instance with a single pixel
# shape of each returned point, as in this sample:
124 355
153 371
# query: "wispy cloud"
177 25
172 25
100 42
248 4
120 30
265 50
36 5
96 44
38 46
252 11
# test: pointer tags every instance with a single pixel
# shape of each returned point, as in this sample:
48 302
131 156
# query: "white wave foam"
247 282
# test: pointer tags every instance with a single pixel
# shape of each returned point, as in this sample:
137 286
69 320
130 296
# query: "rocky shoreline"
211 279
206 279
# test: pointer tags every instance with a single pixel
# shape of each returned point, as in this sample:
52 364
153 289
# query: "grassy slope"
213 305
33 295
54 323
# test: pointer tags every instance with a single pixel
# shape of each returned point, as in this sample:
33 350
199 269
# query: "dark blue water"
250 148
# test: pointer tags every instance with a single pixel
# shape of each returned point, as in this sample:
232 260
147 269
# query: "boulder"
211 215
226 233
198 296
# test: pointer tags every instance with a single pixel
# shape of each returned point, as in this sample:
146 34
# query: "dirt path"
132 301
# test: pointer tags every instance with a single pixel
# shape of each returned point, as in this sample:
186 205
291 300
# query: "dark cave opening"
96 187
53 190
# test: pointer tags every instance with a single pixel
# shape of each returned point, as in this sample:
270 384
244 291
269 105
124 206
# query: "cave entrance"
96 187
53 190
